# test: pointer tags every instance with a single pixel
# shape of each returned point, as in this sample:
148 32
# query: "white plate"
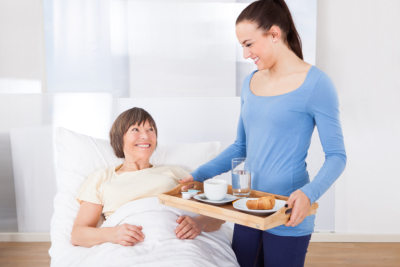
228 198
241 205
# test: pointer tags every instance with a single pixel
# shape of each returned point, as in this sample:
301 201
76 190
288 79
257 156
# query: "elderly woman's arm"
85 234
210 224
189 227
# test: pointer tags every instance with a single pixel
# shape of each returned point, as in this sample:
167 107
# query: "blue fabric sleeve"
323 106
222 163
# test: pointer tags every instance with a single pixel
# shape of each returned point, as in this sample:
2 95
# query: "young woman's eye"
248 45
151 129
135 129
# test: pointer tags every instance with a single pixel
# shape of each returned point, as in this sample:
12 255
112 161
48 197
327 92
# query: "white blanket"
161 247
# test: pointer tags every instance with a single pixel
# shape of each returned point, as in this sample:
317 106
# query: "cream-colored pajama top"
112 190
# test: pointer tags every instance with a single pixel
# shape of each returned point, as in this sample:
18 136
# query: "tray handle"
282 216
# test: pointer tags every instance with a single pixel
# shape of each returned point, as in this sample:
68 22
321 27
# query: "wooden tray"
227 212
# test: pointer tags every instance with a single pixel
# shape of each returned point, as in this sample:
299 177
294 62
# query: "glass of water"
241 177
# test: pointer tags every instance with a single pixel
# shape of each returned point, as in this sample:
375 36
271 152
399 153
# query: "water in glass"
241 183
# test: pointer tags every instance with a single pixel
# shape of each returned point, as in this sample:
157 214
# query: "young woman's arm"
85 234
323 106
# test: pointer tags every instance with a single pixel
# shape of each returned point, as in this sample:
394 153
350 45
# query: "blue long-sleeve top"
274 132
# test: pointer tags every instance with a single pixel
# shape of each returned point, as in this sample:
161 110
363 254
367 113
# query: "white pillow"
79 155
187 156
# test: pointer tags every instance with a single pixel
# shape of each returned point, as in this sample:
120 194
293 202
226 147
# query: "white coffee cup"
215 189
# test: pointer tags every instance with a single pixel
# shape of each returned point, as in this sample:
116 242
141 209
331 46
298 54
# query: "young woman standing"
282 102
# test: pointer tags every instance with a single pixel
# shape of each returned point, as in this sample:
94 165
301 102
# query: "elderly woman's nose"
144 135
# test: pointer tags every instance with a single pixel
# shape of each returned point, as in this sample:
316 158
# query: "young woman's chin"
263 66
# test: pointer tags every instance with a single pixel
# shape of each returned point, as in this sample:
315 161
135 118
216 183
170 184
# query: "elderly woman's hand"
127 235
188 227
301 206
187 179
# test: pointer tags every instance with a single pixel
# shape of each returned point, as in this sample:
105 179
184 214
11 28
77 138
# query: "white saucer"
241 205
228 198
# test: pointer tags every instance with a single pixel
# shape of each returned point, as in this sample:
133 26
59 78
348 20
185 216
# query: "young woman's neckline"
304 82
115 169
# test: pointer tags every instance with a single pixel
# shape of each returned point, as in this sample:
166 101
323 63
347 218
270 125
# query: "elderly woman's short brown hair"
121 125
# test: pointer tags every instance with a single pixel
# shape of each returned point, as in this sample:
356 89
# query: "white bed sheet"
161 247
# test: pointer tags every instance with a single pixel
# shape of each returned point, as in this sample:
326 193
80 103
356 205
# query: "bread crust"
262 203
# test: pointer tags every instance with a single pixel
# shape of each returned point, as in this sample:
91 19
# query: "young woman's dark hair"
267 13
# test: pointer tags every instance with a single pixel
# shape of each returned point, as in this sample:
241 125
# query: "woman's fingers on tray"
187 179
301 205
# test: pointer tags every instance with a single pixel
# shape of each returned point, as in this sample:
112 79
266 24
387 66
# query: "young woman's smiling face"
256 44
140 141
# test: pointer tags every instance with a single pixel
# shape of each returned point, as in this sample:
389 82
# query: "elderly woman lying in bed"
133 137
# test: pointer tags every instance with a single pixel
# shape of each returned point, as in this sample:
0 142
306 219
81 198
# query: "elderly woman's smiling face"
140 141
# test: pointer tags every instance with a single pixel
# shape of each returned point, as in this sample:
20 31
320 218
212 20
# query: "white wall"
16 110
358 45
22 70
22 62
